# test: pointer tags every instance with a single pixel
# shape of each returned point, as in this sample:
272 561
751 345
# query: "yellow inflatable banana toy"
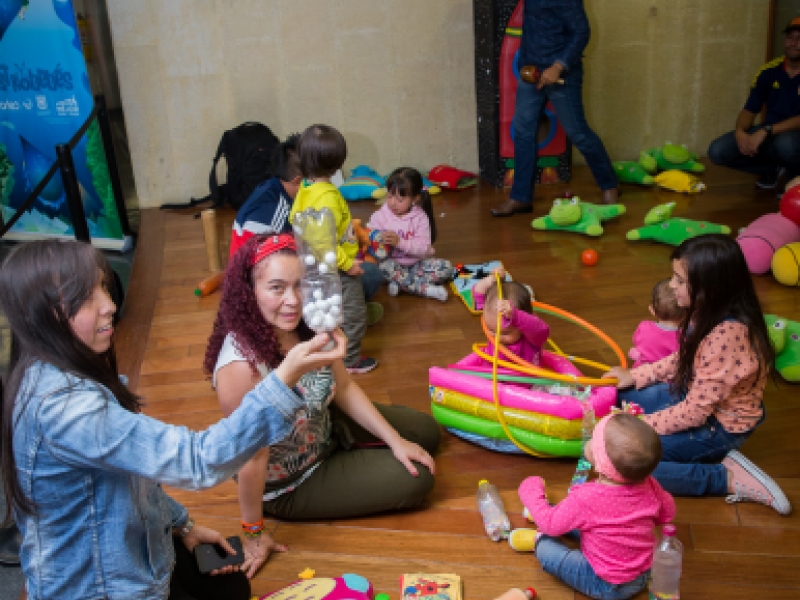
679 181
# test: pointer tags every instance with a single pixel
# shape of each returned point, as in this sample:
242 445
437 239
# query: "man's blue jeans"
690 460
782 150
571 567
567 101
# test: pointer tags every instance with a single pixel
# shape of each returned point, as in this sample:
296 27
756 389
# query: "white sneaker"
436 291
394 289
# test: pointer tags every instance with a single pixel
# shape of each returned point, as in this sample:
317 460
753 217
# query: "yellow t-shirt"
325 195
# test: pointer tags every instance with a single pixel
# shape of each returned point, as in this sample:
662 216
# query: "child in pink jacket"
522 332
654 340
406 220
614 517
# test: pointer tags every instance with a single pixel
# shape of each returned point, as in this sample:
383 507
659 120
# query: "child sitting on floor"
654 340
613 517
523 333
407 222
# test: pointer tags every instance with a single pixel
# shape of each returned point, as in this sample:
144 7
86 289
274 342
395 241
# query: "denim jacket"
103 525
553 31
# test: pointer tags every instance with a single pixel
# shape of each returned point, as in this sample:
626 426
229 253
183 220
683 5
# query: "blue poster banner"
45 97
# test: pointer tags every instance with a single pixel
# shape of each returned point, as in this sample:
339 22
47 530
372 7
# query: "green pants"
361 481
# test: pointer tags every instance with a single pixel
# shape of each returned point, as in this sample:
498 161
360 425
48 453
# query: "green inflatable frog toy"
785 337
630 171
661 226
670 157
570 214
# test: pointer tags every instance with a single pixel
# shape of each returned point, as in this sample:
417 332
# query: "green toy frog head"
675 154
776 329
566 211
659 214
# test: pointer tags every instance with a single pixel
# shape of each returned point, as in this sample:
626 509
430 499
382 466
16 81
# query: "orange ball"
589 257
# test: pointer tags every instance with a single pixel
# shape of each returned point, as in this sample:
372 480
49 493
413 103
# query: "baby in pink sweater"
522 332
654 340
614 517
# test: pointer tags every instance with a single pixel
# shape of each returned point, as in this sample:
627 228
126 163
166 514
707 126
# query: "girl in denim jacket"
83 467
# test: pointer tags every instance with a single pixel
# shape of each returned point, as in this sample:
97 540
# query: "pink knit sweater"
616 522
726 384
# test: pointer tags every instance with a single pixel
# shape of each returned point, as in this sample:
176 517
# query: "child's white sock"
436 291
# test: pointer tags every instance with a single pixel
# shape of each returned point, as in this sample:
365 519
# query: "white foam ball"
323 268
330 258
316 320
329 322
336 300
309 260
323 305
318 294
334 310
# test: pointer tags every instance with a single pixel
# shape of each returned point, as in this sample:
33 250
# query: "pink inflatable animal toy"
763 237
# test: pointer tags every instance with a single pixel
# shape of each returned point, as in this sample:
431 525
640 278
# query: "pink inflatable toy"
760 240
347 587
512 396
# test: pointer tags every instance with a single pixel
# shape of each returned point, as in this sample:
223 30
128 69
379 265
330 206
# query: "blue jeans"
782 150
371 279
567 101
571 567
690 460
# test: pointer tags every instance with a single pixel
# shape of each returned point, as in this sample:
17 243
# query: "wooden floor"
732 551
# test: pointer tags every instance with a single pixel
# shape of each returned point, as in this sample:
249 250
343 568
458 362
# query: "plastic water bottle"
495 519
666 570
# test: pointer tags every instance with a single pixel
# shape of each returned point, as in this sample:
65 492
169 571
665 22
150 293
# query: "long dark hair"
407 182
42 286
720 288
240 315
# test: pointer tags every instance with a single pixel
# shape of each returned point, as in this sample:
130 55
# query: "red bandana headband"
602 463
271 245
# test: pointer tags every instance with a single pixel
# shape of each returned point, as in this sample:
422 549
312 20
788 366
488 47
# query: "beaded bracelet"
253 530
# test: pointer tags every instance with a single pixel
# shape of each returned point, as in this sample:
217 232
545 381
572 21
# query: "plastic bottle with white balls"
315 237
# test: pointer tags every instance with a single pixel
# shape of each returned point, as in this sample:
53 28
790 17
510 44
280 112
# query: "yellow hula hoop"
535 371
495 360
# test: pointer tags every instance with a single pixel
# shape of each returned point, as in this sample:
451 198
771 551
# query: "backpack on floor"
250 151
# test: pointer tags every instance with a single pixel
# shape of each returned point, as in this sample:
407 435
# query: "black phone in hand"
211 557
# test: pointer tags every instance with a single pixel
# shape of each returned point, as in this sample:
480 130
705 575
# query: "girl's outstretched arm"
550 520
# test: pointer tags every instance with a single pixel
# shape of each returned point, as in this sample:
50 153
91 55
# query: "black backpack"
250 151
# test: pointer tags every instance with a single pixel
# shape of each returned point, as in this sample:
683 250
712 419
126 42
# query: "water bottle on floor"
666 570
495 519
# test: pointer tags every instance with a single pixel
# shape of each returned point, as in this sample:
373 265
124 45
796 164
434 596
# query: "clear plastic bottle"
495 519
666 570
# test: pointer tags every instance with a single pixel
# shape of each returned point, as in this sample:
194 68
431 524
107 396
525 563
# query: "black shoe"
512 207
10 543
769 181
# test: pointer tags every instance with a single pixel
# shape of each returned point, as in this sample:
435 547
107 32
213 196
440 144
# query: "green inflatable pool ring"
535 441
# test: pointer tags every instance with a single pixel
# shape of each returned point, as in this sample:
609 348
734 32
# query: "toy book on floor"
424 586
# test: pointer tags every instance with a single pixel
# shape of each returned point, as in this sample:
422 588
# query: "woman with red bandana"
345 456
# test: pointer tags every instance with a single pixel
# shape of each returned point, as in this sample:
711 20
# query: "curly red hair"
240 315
